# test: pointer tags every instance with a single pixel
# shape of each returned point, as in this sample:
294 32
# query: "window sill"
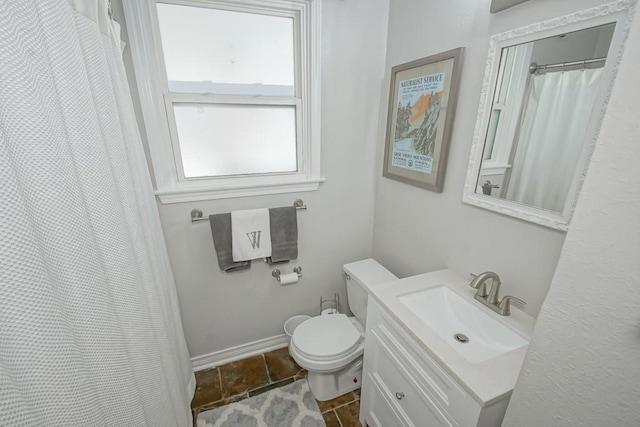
194 193
494 169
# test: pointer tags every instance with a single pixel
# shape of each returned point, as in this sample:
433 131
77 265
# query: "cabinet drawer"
398 386
381 412
429 377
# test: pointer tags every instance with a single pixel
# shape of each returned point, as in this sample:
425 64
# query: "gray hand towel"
284 234
221 231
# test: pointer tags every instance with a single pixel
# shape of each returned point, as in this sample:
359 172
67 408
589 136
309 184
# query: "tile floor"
254 375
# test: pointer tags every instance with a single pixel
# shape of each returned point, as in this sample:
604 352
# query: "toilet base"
329 385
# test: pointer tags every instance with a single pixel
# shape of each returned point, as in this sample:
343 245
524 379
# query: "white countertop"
488 381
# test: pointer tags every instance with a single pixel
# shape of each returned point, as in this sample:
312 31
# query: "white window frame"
508 99
157 102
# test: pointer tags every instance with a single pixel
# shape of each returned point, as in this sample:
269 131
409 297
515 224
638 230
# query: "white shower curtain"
90 332
552 137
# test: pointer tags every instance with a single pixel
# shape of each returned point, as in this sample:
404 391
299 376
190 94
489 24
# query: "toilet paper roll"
286 279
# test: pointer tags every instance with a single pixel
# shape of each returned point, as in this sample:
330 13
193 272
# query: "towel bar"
197 215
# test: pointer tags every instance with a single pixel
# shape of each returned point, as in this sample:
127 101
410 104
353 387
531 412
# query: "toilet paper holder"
330 306
276 273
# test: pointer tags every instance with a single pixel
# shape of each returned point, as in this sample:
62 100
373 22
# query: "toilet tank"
361 276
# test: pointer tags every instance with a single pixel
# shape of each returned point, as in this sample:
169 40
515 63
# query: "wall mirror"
543 98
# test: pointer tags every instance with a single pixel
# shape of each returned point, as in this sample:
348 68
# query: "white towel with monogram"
250 234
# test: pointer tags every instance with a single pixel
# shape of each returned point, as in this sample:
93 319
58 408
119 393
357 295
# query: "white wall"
224 310
416 230
577 46
583 366
499 5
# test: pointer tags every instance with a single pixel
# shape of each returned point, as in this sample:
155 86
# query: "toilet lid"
325 337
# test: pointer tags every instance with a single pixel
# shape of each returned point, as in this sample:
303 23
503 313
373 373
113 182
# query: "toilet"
330 346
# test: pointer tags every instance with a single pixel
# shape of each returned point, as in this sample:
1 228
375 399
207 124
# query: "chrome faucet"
491 299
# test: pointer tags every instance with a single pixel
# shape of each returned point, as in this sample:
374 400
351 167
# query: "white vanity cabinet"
404 386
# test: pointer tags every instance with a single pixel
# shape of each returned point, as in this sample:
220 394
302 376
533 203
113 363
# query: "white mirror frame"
618 12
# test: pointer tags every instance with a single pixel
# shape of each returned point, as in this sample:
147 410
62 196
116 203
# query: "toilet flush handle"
346 275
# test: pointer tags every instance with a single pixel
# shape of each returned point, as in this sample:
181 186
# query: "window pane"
491 134
506 69
227 139
218 51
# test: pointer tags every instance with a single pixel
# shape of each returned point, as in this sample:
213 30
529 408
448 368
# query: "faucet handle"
505 304
480 286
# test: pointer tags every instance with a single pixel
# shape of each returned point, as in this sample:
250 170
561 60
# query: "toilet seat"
325 338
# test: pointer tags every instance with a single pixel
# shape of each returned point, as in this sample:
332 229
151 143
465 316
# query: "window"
503 122
230 94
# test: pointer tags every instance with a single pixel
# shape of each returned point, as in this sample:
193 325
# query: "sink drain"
461 338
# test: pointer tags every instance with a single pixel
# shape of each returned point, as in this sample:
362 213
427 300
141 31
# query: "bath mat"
290 406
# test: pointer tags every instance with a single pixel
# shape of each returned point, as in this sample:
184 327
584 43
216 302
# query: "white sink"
448 314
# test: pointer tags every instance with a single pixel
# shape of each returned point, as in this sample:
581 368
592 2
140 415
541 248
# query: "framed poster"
422 105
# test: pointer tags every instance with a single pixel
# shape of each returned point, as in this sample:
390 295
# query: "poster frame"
434 180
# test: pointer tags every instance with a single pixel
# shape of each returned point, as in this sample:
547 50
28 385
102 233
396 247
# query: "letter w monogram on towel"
251 234
254 238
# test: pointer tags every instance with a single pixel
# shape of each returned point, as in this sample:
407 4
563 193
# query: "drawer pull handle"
399 395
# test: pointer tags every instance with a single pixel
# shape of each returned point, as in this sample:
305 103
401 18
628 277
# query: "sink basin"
465 326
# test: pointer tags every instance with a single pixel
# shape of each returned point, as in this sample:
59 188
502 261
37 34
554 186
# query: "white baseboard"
239 352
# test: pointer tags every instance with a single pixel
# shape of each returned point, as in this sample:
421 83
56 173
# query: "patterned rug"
290 406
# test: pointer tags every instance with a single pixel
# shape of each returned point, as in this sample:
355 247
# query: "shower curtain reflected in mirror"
552 137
